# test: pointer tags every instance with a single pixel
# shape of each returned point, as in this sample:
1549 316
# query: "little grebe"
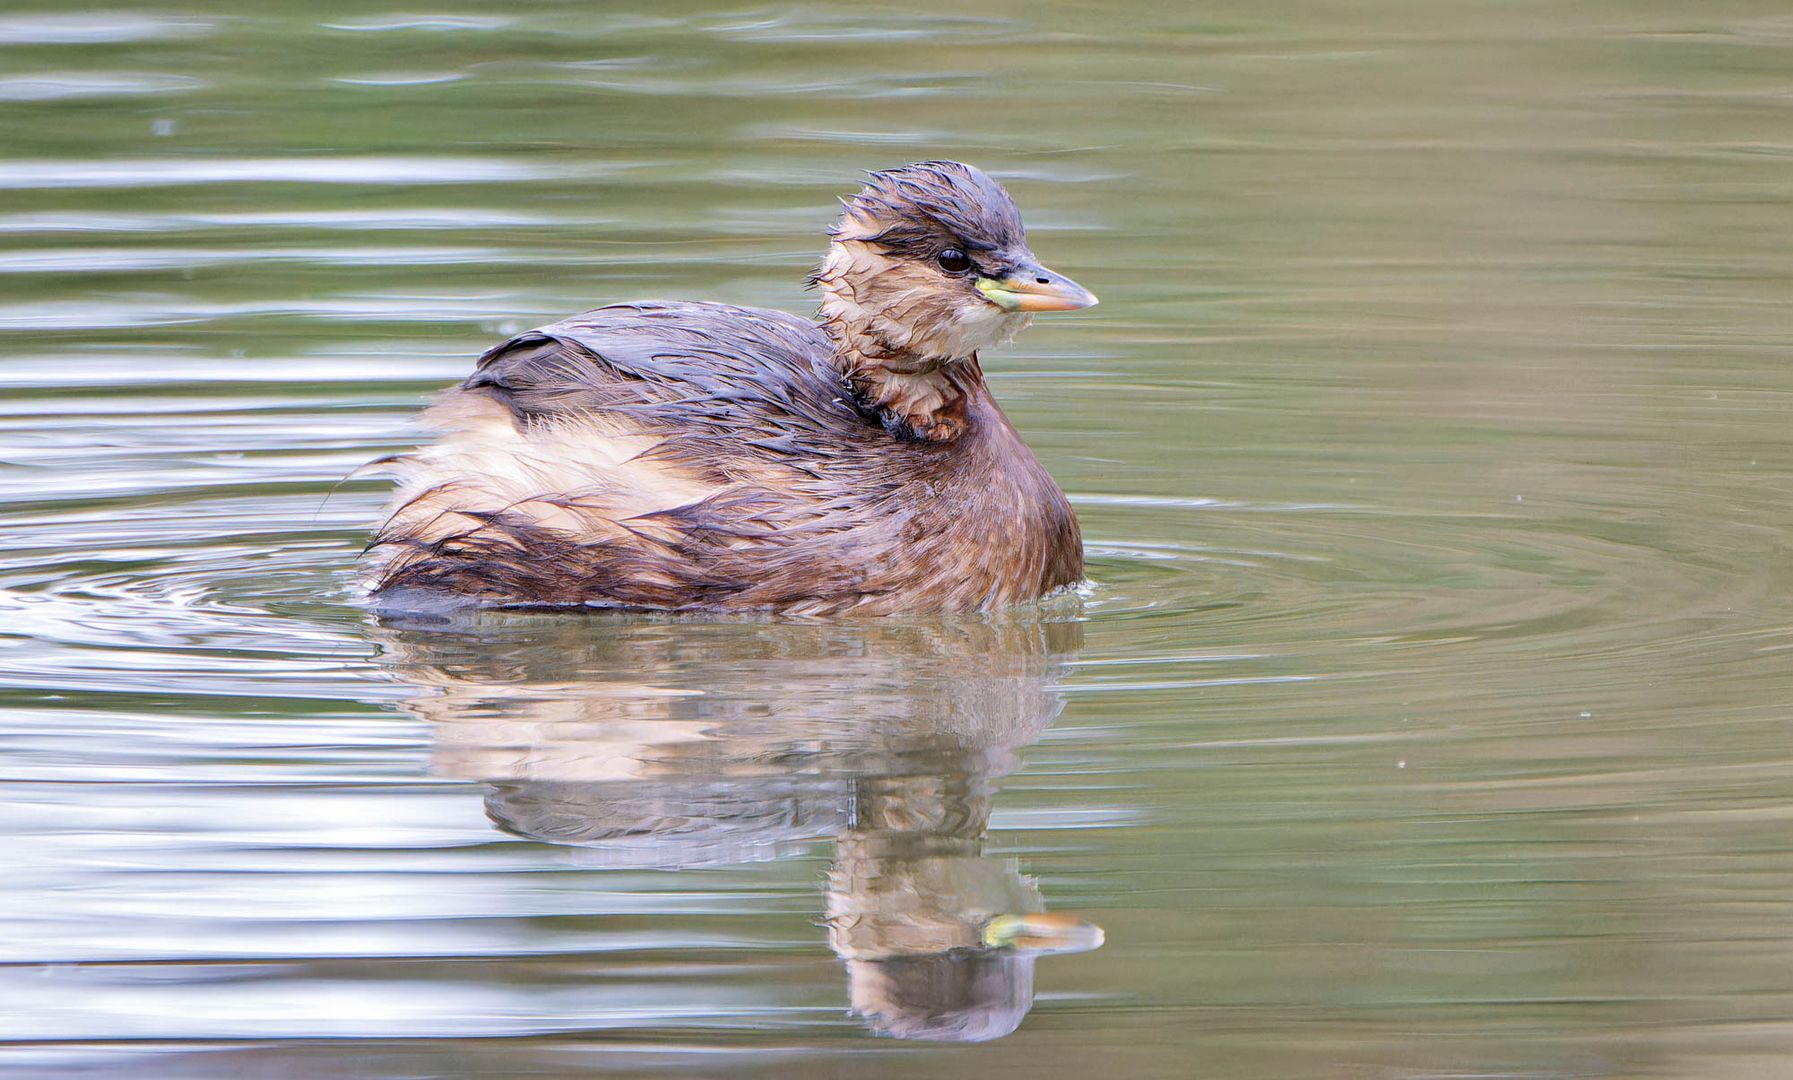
698 456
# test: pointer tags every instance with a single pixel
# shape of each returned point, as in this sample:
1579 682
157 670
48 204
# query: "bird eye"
953 261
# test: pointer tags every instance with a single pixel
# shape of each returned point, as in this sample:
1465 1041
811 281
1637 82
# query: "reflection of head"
966 995
913 901
651 744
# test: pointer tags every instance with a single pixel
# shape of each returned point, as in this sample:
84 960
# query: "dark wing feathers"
684 369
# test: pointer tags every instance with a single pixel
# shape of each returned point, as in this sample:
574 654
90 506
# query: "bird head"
930 262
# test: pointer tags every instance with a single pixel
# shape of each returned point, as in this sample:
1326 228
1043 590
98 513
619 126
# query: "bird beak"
1032 287
1038 932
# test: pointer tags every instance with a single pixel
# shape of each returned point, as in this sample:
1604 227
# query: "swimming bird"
698 456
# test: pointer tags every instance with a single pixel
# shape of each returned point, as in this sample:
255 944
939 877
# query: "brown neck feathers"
916 397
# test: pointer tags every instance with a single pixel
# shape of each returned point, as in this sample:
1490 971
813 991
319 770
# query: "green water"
1428 717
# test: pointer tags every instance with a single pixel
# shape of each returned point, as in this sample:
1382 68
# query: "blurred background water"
1428 717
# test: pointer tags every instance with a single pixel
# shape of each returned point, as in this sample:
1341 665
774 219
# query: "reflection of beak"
1042 933
1032 287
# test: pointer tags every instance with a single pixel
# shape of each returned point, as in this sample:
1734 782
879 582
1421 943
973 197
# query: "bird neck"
926 398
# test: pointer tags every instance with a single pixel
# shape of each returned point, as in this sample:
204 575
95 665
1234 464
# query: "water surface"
1428 714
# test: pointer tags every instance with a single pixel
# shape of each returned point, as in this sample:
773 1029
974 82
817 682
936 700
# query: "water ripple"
98 27
448 23
25 174
60 86
398 220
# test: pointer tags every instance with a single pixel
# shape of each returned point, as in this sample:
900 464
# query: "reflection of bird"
702 456
885 736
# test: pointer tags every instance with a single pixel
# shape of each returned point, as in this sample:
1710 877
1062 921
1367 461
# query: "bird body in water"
697 456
